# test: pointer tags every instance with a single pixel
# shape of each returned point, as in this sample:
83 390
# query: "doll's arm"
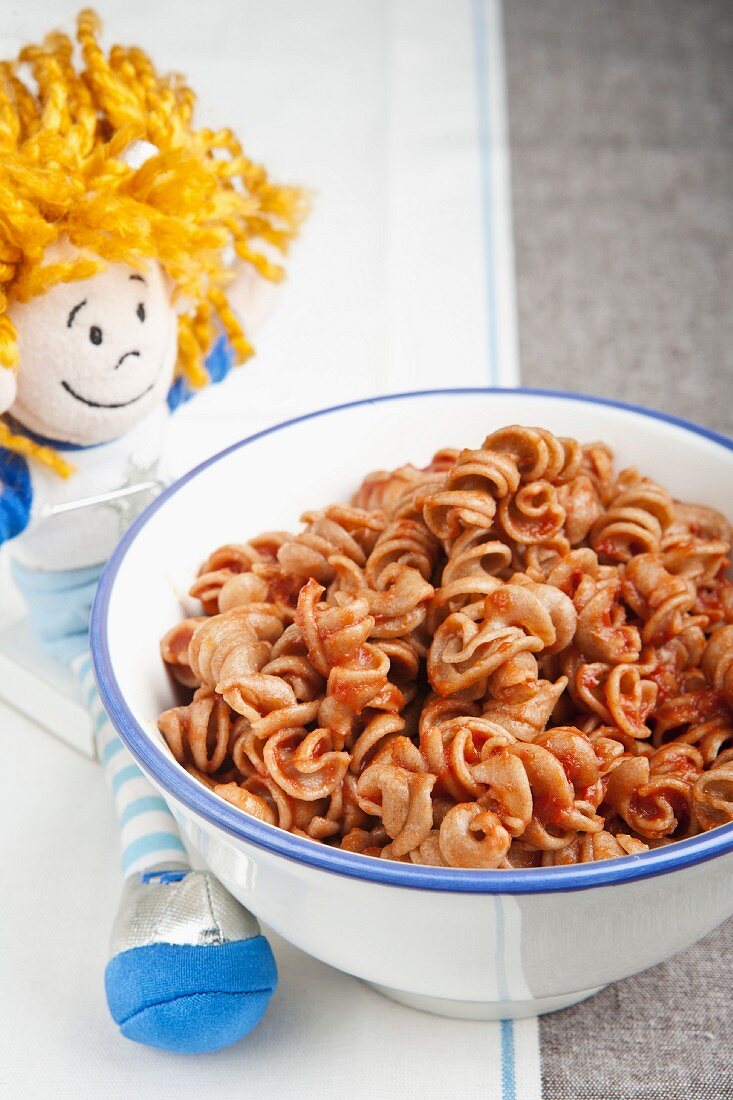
16 494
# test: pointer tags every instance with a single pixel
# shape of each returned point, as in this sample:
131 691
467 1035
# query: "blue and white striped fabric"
148 832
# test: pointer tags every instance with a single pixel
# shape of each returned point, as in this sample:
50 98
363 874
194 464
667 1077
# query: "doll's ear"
251 297
8 388
180 303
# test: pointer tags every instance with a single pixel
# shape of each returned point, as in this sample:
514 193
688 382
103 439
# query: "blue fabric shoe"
189 971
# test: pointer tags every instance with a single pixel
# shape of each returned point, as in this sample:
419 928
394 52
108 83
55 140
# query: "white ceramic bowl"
484 944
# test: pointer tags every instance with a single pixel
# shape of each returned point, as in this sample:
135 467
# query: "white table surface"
402 280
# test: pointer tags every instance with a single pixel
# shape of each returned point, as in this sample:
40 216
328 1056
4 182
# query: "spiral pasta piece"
654 806
407 813
343 814
227 654
472 570
536 452
397 492
507 792
396 788
597 464
202 730
519 620
712 797
470 836
220 567
471 489
304 764
406 543
464 654
556 812
636 518
620 695
382 490
577 755
242 590
336 638
674 666
703 562
581 502
174 652
697 717
660 598
261 796
245 800
698 521
717 663
538 559
378 732
591 847
337 530
533 514
395 580
454 745
525 719
602 633
289 660
214 638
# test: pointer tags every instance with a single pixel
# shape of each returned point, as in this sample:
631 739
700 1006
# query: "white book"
35 683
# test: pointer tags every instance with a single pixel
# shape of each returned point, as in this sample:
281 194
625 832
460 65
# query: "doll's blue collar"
56 444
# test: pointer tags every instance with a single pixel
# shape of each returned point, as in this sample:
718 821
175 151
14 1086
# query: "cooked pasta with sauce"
513 657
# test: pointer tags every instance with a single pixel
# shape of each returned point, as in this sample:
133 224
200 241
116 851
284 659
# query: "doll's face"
96 356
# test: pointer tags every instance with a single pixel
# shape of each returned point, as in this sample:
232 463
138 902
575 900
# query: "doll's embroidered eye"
141 311
95 334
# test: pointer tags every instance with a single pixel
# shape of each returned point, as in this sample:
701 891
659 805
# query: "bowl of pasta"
440 686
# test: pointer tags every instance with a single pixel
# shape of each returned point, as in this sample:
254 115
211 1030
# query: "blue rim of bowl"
192 794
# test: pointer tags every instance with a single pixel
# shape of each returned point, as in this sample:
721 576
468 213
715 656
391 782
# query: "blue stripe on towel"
481 62
508 1077
508 1074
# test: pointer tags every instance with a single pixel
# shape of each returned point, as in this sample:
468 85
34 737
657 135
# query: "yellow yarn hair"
62 175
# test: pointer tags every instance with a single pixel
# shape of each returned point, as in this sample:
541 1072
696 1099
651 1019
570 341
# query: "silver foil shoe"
173 904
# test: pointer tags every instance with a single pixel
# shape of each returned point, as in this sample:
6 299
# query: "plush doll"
131 247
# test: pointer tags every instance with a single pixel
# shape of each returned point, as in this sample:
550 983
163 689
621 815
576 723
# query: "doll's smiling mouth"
102 404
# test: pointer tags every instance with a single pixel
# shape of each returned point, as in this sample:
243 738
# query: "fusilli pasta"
511 657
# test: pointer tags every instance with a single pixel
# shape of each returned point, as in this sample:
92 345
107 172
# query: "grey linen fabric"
666 1034
621 131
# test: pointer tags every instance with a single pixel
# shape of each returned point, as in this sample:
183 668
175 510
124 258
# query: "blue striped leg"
149 835
189 969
